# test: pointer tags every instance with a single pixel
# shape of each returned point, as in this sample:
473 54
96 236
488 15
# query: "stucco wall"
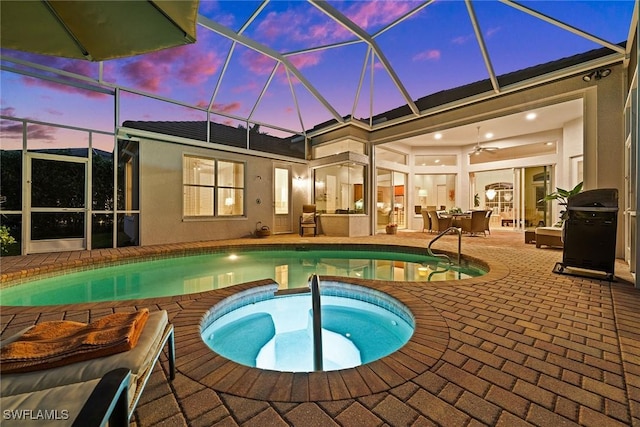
161 196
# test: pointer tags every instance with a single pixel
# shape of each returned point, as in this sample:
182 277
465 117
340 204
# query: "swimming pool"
359 325
179 275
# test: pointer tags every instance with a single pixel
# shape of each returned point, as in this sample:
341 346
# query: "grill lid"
605 199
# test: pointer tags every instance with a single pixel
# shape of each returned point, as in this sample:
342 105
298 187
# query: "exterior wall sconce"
299 181
597 75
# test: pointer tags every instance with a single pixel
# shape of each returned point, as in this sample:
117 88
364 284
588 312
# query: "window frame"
215 188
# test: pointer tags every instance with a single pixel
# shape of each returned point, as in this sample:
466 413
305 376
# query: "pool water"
276 334
198 273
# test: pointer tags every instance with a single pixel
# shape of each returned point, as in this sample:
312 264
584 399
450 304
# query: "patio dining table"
456 218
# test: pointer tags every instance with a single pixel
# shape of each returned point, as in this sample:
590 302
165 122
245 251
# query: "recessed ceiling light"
488 135
438 136
437 160
548 143
531 116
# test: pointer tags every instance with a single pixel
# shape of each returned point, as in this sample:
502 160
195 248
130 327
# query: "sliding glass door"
515 196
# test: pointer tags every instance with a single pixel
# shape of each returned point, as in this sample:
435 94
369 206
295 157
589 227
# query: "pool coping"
13 278
197 361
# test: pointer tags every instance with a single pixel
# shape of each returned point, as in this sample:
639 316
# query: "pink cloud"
40 133
53 112
198 69
8 111
295 27
257 63
34 82
462 39
306 60
203 104
300 62
491 31
185 65
10 129
427 55
227 108
272 26
211 9
251 87
368 14
145 74
80 67
83 68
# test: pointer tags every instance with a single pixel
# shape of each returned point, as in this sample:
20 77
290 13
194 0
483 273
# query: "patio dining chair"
487 219
309 219
475 224
439 224
426 221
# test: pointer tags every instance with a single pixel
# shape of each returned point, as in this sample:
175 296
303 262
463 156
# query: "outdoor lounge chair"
98 402
47 384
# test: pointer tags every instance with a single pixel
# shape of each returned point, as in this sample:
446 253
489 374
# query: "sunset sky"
433 50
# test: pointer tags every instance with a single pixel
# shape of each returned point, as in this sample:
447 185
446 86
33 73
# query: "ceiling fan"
478 149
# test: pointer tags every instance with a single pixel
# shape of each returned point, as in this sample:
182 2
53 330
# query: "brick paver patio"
520 346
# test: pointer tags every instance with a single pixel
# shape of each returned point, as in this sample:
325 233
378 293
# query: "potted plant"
392 225
562 196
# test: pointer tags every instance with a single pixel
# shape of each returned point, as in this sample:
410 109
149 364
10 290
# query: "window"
212 187
440 160
434 191
281 187
390 156
340 188
333 148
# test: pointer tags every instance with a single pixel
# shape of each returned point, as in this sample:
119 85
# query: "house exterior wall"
161 195
602 144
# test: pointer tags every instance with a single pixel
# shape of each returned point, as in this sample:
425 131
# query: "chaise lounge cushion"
139 360
57 343
62 405
549 236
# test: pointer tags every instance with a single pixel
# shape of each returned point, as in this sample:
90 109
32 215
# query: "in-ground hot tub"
256 328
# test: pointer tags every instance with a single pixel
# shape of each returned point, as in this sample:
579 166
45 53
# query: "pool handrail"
458 231
317 322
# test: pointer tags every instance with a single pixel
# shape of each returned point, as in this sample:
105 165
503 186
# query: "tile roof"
224 135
